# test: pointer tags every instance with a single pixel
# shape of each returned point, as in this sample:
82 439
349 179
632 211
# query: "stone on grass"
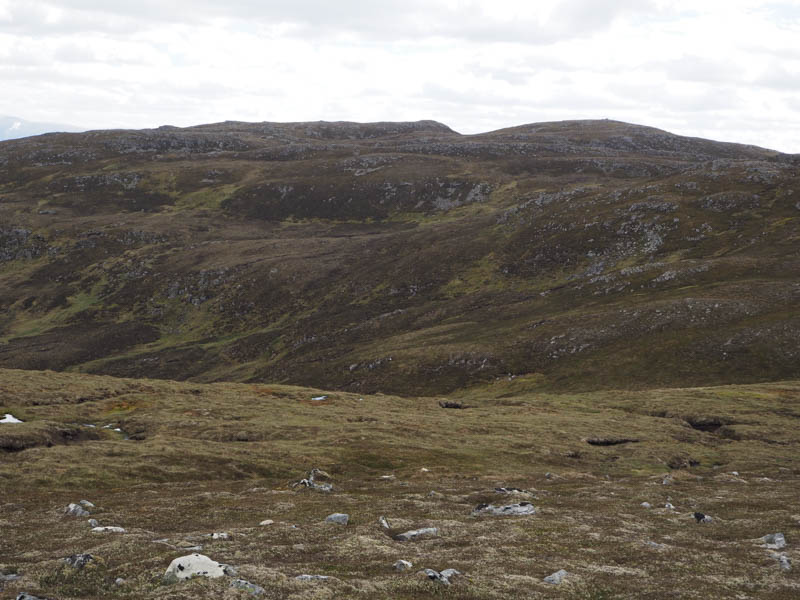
267 522
312 483
78 561
27 596
416 534
306 577
195 565
522 508
86 504
8 577
119 581
384 523
108 529
242 584
784 561
774 541
93 523
442 577
556 577
701 518
338 518
669 506
76 510
646 505
220 536
402 565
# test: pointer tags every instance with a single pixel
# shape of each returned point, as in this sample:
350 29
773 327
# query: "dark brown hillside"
401 257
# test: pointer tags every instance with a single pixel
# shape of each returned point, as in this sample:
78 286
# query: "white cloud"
710 68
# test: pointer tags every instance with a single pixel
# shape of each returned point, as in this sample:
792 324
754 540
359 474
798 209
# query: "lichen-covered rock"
402 565
556 577
242 584
774 541
76 510
78 561
338 518
195 565
522 508
417 534
442 577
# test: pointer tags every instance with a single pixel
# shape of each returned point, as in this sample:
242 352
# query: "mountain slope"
401 257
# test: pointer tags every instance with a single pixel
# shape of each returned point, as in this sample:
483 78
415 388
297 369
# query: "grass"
220 457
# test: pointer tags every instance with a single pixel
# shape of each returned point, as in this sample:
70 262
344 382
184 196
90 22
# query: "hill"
401 257
174 463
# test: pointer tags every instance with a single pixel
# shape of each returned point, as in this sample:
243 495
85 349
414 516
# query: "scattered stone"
311 481
312 577
424 470
383 522
267 522
9 418
784 561
195 565
93 523
774 541
669 506
108 529
402 565
119 581
443 577
701 518
452 404
522 508
220 536
646 505
610 441
388 477
319 398
556 577
656 545
8 577
27 596
76 510
416 534
86 504
78 561
668 479
242 584
338 518
435 494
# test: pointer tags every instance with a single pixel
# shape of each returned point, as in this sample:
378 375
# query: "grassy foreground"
194 459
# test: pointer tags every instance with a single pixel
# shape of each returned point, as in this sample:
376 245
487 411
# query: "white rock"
384 523
305 577
785 562
94 523
417 533
195 565
9 418
221 536
402 565
76 510
424 470
86 504
338 518
774 541
556 577
267 522
646 505
108 530
669 506
522 508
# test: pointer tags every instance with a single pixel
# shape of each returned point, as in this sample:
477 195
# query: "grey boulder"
195 565
522 508
241 584
556 577
416 534
338 518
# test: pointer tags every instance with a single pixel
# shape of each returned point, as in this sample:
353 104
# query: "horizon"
723 71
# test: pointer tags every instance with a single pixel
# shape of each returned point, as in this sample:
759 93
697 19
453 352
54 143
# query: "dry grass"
220 457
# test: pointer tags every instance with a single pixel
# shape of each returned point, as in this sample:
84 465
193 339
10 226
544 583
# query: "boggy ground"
194 459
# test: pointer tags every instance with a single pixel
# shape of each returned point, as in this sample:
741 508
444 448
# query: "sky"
721 69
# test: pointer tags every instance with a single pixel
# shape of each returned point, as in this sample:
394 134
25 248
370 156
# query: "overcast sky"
722 69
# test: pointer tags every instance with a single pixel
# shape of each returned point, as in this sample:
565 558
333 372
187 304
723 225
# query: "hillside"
401 257
608 484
